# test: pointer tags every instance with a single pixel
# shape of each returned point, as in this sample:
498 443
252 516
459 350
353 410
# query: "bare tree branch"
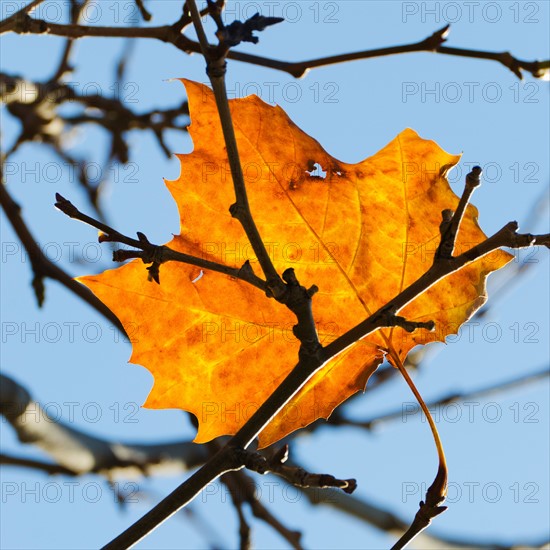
77 453
42 267
295 475
46 467
216 69
11 22
154 254
36 105
168 33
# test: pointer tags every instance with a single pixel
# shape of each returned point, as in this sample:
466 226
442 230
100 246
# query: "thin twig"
451 221
237 498
64 66
293 474
240 484
216 70
297 69
46 467
537 68
143 11
42 267
10 23
154 254
242 490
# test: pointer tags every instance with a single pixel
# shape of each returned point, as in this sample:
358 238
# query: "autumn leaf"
218 347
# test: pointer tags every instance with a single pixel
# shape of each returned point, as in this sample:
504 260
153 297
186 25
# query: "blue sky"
497 448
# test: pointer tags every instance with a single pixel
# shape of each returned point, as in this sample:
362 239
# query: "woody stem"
216 70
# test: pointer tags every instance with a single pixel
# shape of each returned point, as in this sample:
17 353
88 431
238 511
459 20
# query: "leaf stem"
414 389
437 491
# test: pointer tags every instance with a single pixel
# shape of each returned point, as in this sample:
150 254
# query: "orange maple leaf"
216 346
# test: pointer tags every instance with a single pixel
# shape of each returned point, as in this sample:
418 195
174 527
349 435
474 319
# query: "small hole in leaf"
317 171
